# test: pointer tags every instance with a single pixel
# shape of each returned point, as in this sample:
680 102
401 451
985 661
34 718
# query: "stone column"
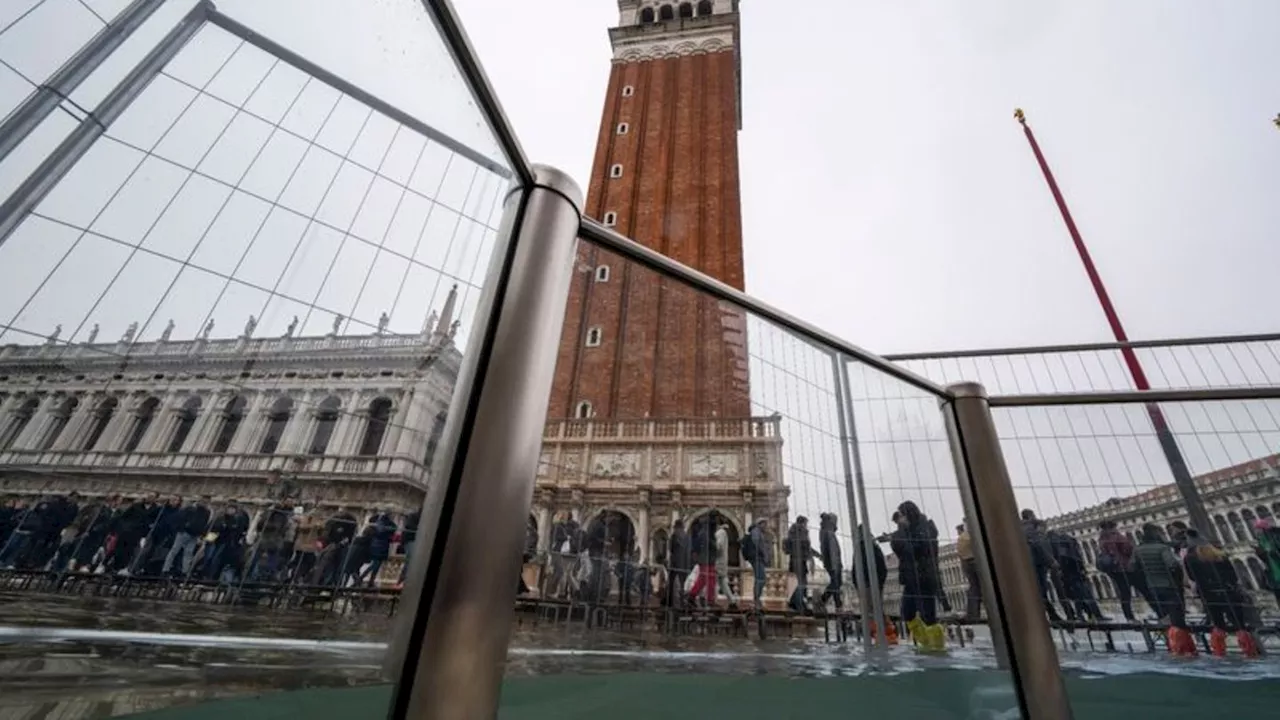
156 436
544 526
295 432
247 434
35 427
350 423
643 530
397 423
121 420
74 431
209 419
419 424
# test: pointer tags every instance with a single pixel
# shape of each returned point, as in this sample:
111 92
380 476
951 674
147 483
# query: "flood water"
69 658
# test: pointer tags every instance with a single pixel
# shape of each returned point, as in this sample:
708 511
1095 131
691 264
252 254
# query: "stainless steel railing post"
1016 614
450 642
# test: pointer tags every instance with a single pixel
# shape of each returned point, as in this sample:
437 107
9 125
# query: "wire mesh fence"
232 316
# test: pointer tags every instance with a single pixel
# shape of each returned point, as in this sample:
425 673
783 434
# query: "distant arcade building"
650 413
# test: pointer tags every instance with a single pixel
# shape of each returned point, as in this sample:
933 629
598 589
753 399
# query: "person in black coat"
913 542
191 523
384 529
228 531
829 549
680 563
339 531
799 547
131 525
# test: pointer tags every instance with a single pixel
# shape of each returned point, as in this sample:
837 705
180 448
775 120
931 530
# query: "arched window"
615 171
277 420
1224 532
1275 509
98 425
21 418
1242 573
666 12
704 8
1249 519
594 336
1088 551
1237 527
686 10
379 415
326 421
1263 511
583 411
232 415
646 15
140 422
186 420
61 417
1097 587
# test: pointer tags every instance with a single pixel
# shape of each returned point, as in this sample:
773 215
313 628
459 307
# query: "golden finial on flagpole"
1019 116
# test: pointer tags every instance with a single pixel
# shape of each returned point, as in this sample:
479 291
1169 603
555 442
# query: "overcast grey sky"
890 197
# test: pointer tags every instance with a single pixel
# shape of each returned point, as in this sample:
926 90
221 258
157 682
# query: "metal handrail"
446 20
1083 347
1121 397
663 265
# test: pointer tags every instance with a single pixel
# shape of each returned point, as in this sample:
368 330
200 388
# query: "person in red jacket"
1115 558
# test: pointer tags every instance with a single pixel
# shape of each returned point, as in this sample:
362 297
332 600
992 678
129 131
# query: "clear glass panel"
1117 549
678 427
223 366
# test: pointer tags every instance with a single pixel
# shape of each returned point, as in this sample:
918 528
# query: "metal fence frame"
488 449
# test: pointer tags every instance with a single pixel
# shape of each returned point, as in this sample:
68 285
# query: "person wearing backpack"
1115 558
799 548
755 550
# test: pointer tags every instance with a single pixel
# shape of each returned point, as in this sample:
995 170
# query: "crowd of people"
1160 569
184 541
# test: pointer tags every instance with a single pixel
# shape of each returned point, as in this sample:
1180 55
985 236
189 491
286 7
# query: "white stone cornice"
703 42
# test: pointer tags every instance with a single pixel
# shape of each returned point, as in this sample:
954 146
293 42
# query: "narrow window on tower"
602 273
593 337
583 411
628 91
610 219
615 171
623 128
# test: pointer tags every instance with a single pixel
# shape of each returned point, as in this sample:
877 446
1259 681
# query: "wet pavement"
63 658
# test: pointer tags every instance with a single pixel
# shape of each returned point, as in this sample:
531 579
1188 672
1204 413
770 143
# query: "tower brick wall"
664 350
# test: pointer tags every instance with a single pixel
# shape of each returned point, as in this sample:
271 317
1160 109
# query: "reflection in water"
124 656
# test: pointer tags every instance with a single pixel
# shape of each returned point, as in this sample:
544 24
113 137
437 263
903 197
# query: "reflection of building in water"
1236 497
361 413
650 409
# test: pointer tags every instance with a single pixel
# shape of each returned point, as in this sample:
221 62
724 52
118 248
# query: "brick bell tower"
666 175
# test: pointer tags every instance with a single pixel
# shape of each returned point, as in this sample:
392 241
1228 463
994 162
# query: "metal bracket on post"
450 640
64 157
27 117
1010 591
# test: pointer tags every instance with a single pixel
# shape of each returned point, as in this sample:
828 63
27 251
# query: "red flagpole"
1177 465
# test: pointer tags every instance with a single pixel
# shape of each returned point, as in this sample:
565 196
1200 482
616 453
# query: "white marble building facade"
353 419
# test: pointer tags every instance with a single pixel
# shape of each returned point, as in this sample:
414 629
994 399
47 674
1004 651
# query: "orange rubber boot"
1181 644
1248 644
890 632
1218 642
